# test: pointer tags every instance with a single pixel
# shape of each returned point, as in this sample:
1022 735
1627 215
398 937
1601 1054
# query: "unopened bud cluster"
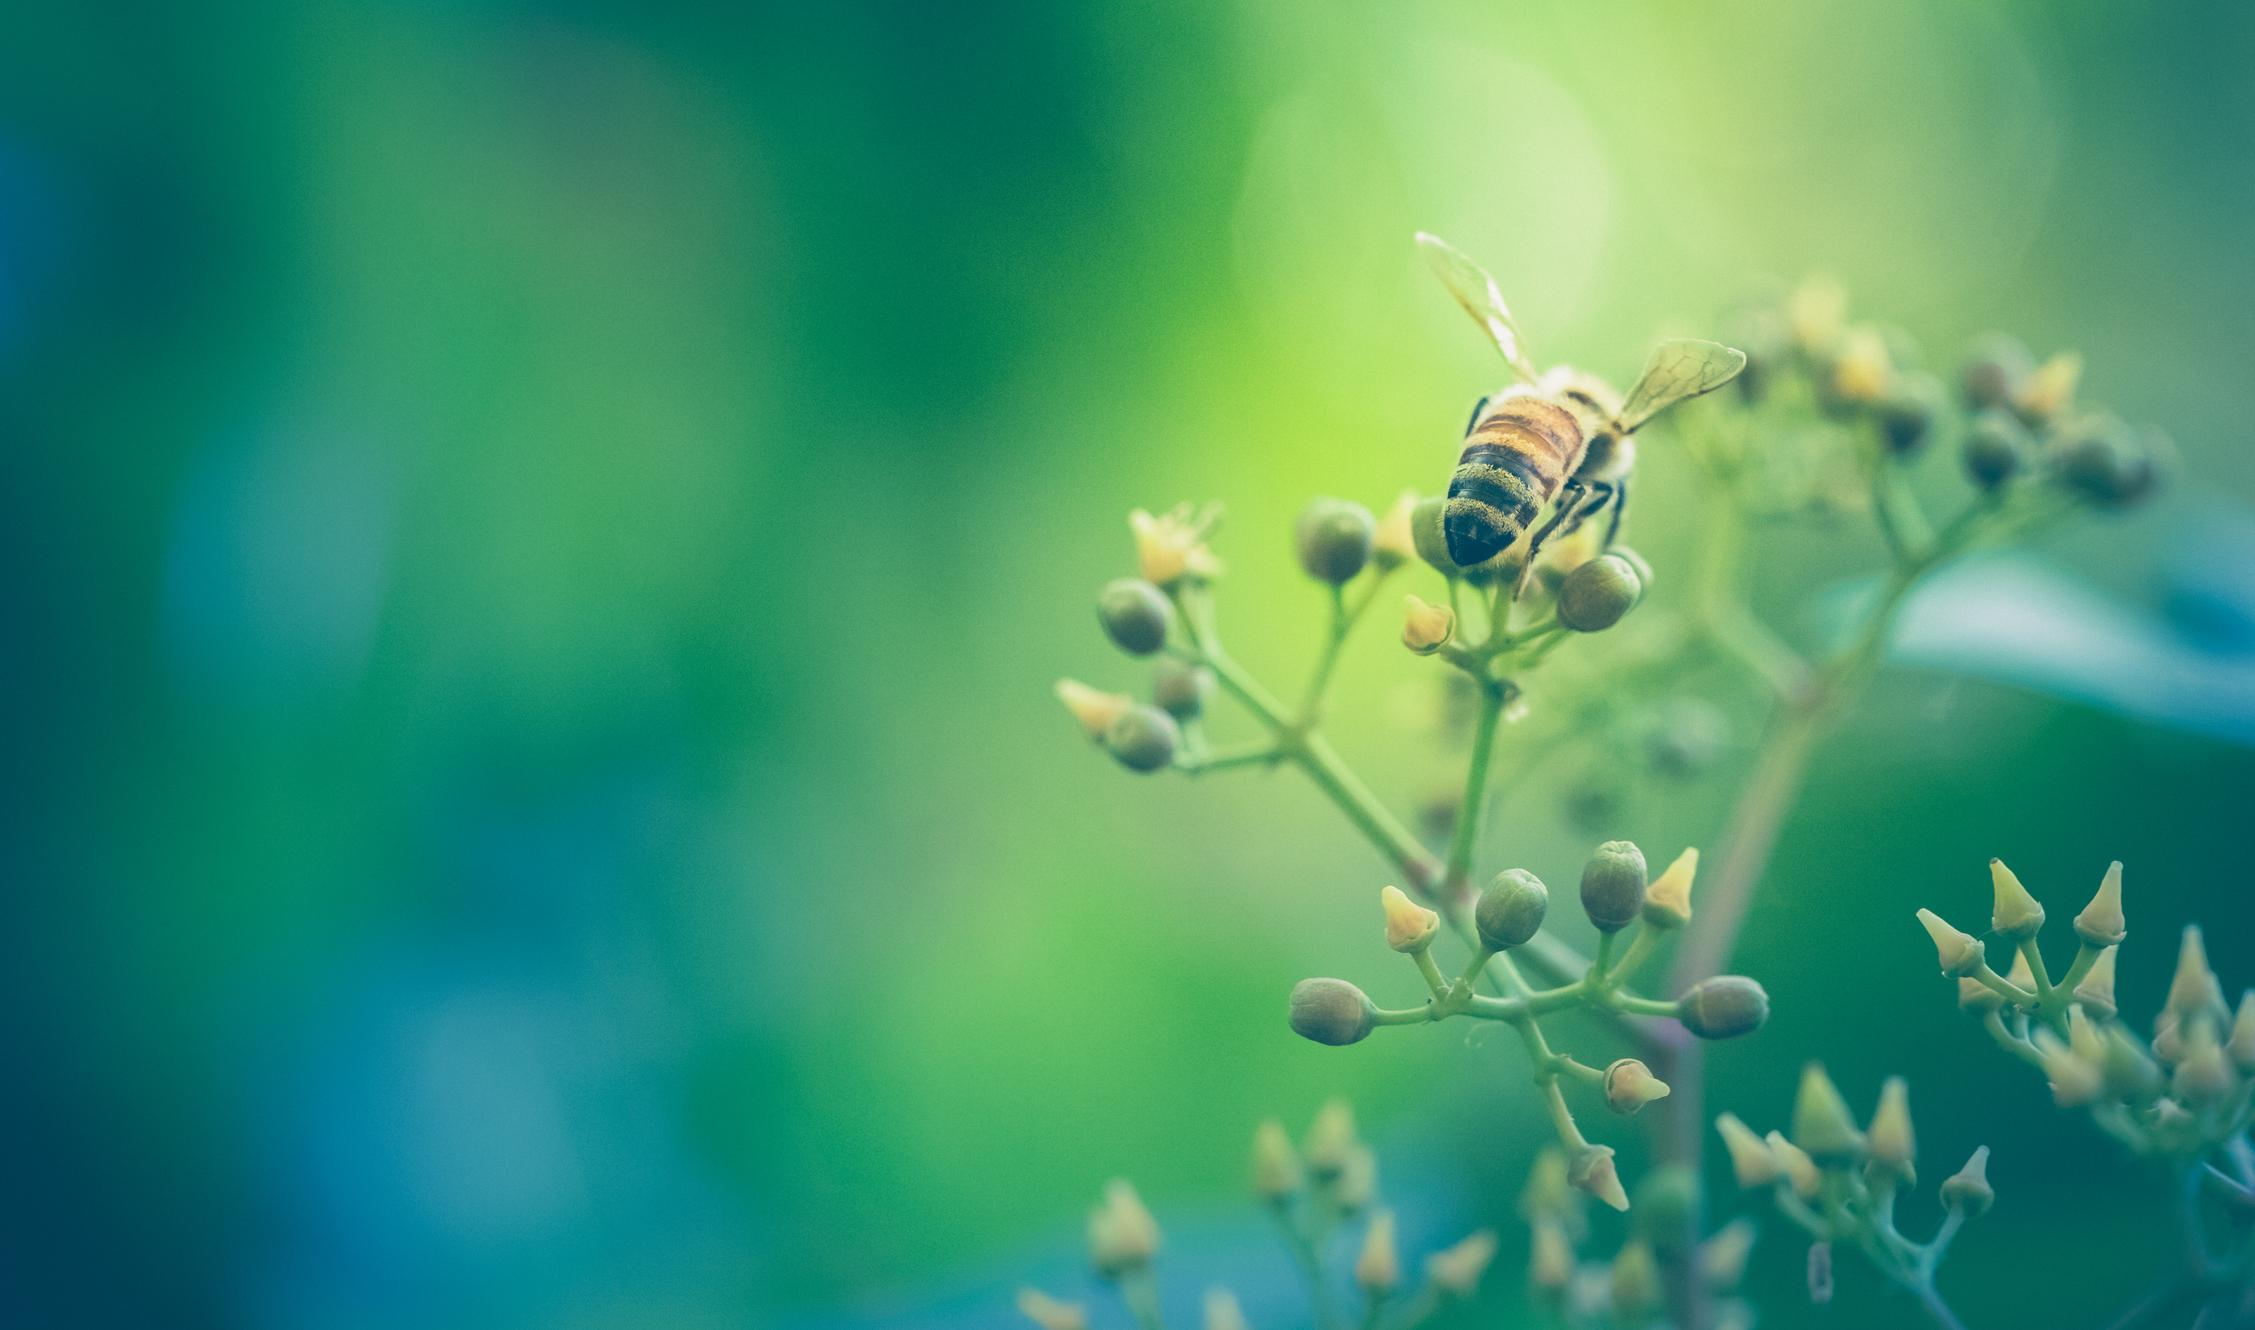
1634 910
2183 1091
1837 1180
1593 1292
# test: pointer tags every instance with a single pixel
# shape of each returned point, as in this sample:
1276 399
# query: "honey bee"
1562 436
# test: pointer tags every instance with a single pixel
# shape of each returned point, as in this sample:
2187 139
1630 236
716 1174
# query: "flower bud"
1722 1258
1428 532
1961 953
1667 1203
1634 1282
1894 1147
2018 914
1547 1193
1426 627
1456 1270
1331 1140
1800 1170
2126 1070
1591 1169
1409 926
1276 1168
2204 1077
1613 885
1822 1124
2241 1042
1630 1085
2019 975
1394 543
1135 615
1223 1312
1051 1313
1378 1268
1973 995
1143 738
1815 311
1967 1190
2194 988
1667 902
2083 1037
1596 595
1752 1161
1335 539
1122 1236
1511 909
1093 709
1171 546
1180 689
2074 1080
2101 923
1861 371
1994 370
1550 1259
1357 1183
1723 1007
1331 1011
2096 988
1997 447
2104 462
2045 394
1908 411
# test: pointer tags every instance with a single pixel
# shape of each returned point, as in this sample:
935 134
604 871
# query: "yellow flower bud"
1409 926
1051 1313
1822 1124
1751 1159
2096 988
2241 1044
1379 1266
1799 1169
1122 1235
1276 1168
1222 1311
1331 1140
1630 1085
2049 390
1592 1170
1815 312
2074 1080
2204 1076
1456 1270
2018 914
1171 546
1722 1258
1973 995
2194 988
1667 902
1635 1281
1550 1261
1862 372
1960 953
1967 1190
2083 1036
2101 923
1893 1144
1095 710
1395 544
1426 627
1357 1183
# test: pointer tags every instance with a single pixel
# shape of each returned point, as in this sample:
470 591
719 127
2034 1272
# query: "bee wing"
1677 372
1476 291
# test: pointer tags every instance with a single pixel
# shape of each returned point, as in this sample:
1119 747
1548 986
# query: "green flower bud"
1143 738
1180 688
1331 1011
2018 915
1751 1159
2204 1077
1051 1313
1550 1260
1122 1236
2126 1070
1894 1146
1722 1258
1634 1282
1511 909
1613 885
1223 1312
1822 1124
1591 1169
2101 923
1961 953
2106 463
1908 411
1378 1267
1995 368
2193 988
1428 533
2096 990
1800 1170
1456 1270
1997 447
1630 1085
1276 1168
2241 1042
1667 1203
1335 539
1134 614
1967 1190
1723 1007
1331 1139
1596 595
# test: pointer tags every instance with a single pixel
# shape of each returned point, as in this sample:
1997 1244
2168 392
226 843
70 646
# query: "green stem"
1467 832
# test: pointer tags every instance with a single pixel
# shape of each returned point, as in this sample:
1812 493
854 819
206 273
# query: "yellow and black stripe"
1514 460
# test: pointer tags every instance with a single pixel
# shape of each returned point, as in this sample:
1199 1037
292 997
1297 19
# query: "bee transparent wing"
1678 372
1476 291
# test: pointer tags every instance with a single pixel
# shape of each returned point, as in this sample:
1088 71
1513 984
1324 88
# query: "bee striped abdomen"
1514 460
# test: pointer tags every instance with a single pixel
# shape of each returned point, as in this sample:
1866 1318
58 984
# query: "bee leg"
1569 498
1477 408
1620 509
1602 493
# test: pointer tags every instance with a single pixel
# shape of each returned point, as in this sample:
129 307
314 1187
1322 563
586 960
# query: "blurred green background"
543 535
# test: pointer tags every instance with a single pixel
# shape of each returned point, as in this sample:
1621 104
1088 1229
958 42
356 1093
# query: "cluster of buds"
1838 1181
1632 914
1626 1291
2186 1092
1139 615
1323 1196
2020 429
